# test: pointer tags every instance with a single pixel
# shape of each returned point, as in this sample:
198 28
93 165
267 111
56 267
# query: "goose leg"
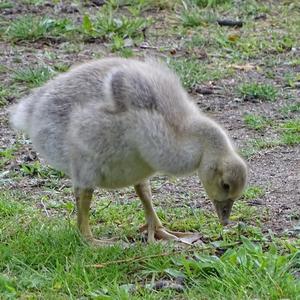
154 226
83 203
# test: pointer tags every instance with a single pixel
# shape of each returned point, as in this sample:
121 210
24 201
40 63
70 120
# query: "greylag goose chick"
116 122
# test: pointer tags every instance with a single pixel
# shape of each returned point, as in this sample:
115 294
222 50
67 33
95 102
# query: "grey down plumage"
116 122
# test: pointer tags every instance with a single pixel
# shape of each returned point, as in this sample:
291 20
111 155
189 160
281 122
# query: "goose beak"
223 209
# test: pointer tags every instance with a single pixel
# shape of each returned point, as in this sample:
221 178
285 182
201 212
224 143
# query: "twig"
129 260
45 208
143 258
106 206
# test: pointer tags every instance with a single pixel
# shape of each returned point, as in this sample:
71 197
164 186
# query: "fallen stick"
143 258
232 23
129 260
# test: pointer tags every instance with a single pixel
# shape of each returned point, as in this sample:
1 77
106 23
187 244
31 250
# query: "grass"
193 14
295 62
192 71
44 257
156 4
263 92
258 144
7 155
253 192
34 2
4 94
61 67
290 108
288 134
41 171
33 76
246 272
139 6
6 4
7 92
116 29
291 79
32 29
261 143
210 3
194 17
244 44
256 122
291 132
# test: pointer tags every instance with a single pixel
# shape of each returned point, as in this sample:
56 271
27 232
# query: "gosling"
116 122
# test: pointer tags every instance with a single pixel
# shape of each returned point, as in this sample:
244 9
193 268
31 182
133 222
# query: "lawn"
247 77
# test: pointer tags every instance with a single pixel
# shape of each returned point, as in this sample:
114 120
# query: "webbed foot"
161 233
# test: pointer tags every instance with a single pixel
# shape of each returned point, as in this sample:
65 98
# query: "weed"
126 52
34 2
61 67
292 125
71 48
291 132
253 7
262 143
247 151
264 92
122 27
295 62
253 192
36 169
7 155
290 138
4 93
191 19
118 43
31 28
256 122
291 108
251 44
291 79
3 69
210 3
270 74
193 72
255 145
9 208
138 6
34 77
239 270
8 93
45 256
6 4
110 27
195 17
283 44
197 41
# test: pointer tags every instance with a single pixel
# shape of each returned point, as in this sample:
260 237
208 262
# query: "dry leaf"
246 67
191 239
233 37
